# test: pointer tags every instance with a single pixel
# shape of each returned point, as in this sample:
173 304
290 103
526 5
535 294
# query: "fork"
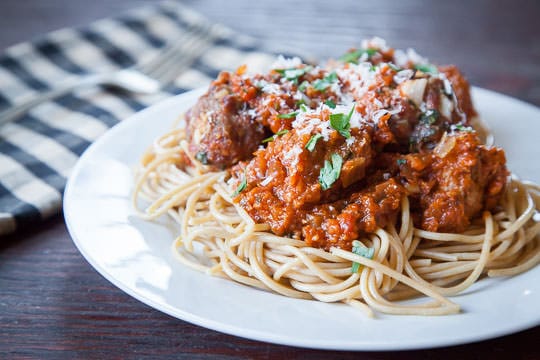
147 77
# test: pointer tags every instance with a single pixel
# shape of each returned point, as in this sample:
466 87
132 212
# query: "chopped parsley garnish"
202 157
353 56
373 68
427 68
279 133
294 74
290 115
429 117
461 127
330 104
304 107
394 67
341 122
325 82
310 146
303 86
401 161
241 187
359 249
330 171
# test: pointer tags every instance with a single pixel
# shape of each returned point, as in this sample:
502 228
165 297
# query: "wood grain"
53 305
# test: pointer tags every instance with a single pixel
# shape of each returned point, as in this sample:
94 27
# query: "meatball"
220 130
455 182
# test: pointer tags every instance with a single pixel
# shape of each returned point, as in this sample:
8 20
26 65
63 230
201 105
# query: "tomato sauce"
326 153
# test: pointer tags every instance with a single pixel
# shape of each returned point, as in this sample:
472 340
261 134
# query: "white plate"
136 255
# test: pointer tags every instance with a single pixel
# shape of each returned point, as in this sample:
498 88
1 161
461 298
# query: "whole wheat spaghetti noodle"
218 237
366 181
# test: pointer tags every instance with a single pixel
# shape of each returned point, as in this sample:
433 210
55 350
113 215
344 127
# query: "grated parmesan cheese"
267 181
271 88
375 42
292 157
360 78
402 58
286 63
403 75
378 114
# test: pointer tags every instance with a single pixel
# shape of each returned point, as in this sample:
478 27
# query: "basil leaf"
353 56
330 171
279 133
288 116
427 68
330 104
341 122
359 249
310 146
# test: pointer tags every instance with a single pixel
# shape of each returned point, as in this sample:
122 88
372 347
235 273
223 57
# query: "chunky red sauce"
326 154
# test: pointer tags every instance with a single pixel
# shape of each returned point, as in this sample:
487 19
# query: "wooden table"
54 305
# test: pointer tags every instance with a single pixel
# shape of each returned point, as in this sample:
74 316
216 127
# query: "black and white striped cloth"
38 151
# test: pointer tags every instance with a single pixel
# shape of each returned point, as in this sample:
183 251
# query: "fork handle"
14 112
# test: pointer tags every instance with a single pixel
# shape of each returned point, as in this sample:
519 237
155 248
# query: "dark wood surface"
54 305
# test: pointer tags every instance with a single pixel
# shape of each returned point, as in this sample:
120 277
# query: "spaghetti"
367 181
218 237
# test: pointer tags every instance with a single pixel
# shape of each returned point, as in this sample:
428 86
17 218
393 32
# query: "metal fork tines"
177 57
146 77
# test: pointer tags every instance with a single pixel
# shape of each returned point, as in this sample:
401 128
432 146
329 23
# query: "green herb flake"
401 161
304 108
427 68
461 127
294 74
290 115
202 157
279 133
359 249
429 117
353 56
325 82
330 171
330 104
310 146
394 67
341 122
303 86
241 187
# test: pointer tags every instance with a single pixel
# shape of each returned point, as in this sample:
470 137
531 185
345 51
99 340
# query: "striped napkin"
38 151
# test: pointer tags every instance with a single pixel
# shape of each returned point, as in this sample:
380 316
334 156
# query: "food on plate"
366 180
